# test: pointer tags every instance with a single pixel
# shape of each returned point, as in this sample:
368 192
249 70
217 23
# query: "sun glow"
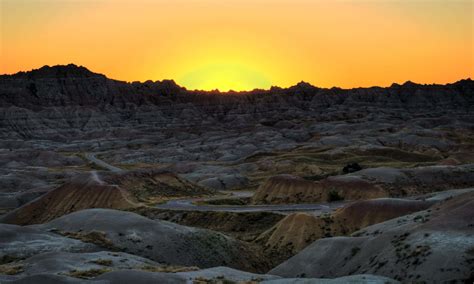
217 66
244 44
224 77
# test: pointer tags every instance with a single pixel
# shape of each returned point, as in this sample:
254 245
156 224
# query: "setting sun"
224 77
217 66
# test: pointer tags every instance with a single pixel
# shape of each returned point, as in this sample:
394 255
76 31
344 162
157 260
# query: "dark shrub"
350 168
334 196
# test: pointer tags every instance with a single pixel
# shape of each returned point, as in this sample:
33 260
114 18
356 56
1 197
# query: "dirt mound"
292 234
364 213
350 188
292 189
85 191
296 231
287 189
153 186
365 184
433 245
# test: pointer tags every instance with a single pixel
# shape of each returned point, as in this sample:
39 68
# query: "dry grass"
222 280
87 274
104 262
218 280
94 237
11 269
169 268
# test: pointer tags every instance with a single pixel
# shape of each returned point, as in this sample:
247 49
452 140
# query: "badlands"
104 181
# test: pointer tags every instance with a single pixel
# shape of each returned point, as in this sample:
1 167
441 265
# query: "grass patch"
104 262
169 268
88 274
11 269
94 237
228 201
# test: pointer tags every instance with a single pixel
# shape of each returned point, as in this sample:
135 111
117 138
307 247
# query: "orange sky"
244 44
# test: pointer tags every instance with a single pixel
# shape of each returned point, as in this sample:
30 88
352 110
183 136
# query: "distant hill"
71 101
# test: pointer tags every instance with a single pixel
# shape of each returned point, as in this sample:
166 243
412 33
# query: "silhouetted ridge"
58 71
168 87
303 88
75 71
76 86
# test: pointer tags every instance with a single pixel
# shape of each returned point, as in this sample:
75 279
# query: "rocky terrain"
406 248
105 181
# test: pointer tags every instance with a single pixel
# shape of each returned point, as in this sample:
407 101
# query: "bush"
351 168
334 196
355 250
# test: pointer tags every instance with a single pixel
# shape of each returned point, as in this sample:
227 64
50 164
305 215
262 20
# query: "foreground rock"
212 275
161 241
298 230
360 279
431 245
18 243
79 264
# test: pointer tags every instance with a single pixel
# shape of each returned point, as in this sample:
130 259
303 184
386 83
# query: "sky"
244 44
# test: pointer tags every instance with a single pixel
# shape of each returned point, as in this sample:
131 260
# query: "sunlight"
224 77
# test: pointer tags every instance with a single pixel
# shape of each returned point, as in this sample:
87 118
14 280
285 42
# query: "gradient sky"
244 44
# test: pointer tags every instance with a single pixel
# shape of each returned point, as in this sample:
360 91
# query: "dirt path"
92 158
190 204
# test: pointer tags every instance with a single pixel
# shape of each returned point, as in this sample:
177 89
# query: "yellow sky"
244 44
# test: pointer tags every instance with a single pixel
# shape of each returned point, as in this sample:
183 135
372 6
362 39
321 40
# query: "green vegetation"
355 250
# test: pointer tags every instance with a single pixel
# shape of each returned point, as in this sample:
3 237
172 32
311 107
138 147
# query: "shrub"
334 196
355 250
351 168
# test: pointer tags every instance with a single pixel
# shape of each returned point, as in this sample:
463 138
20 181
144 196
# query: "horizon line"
231 90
